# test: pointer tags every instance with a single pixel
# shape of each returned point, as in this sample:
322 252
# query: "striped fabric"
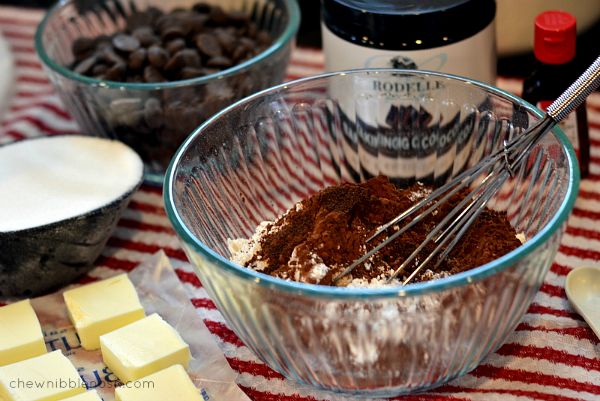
552 355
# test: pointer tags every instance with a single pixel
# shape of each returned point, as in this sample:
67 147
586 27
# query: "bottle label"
568 124
388 124
474 57
392 124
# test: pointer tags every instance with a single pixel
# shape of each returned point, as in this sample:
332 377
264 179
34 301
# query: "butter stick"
172 383
142 348
101 307
20 333
47 377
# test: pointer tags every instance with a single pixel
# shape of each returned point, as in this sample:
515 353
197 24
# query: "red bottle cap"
555 36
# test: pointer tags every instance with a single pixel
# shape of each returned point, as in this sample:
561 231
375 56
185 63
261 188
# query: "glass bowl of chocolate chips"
148 72
306 172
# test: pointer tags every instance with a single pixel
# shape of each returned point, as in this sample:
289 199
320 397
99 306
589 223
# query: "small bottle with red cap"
554 48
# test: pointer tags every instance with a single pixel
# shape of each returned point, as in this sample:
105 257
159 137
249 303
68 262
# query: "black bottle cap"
412 27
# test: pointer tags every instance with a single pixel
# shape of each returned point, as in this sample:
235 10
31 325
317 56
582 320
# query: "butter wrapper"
160 291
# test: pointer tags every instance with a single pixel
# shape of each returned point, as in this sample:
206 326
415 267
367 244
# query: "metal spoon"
583 290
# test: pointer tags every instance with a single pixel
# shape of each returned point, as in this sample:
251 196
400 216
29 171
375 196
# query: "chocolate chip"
134 79
116 72
172 32
83 48
208 45
238 53
152 104
100 69
110 56
226 40
125 43
154 14
156 47
197 22
163 22
190 73
247 44
238 17
221 39
103 41
218 16
252 30
181 59
190 57
173 114
202 7
151 74
85 66
139 20
184 19
157 56
219 62
175 45
136 60
263 38
145 35
153 113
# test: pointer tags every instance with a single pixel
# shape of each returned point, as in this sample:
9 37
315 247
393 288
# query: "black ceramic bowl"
36 259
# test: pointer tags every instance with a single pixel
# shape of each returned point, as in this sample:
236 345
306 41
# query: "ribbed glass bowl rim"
286 37
347 294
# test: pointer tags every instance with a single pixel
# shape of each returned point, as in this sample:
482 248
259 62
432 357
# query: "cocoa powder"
318 239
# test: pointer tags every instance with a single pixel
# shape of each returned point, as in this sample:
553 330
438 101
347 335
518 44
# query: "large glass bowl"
155 118
290 141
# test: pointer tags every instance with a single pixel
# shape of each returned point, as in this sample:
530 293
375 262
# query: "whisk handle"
574 96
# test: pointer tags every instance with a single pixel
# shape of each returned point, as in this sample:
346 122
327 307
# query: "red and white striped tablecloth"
552 354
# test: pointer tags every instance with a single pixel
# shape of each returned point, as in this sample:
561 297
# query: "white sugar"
46 180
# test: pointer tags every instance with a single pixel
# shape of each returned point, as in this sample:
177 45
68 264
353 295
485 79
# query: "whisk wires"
493 171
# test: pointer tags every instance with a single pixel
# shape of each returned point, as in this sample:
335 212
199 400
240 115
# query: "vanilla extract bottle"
554 49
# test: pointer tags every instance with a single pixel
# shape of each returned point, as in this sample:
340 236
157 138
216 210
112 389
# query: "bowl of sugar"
61 199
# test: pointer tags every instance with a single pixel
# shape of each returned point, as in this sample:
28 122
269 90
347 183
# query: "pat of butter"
46 377
20 333
142 348
91 395
172 383
101 307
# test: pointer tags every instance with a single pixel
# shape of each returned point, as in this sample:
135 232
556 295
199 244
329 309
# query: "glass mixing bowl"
288 142
155 118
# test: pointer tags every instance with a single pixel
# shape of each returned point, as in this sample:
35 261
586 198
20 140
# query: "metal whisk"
495 169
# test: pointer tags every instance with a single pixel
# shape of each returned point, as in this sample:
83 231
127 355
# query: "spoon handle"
582 286
593 320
